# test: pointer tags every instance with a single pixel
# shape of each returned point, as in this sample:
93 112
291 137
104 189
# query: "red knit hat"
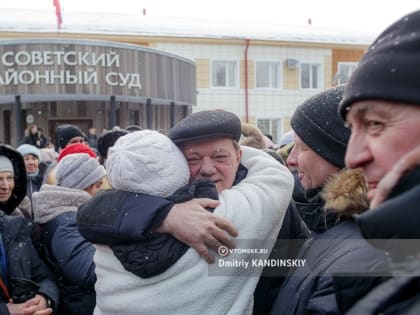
75 148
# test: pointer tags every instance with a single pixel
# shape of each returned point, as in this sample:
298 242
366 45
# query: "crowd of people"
137 222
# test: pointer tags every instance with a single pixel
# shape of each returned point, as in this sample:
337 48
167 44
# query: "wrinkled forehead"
361 108
208 145
385 109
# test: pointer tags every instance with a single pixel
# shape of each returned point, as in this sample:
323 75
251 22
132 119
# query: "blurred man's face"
381 133
34 129
215 159
76 140
312 169
7 183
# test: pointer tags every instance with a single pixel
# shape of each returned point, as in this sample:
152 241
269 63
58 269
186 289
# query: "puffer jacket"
157 252
64 249
23 261
309 289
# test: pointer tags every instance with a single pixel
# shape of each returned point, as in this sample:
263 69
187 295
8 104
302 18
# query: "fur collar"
52 201
345 193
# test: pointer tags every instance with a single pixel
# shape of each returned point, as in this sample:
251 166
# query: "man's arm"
267 188
112 217
193 225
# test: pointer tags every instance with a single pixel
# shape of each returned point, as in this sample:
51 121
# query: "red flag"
57 5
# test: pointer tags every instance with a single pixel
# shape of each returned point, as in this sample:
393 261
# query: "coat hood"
19 191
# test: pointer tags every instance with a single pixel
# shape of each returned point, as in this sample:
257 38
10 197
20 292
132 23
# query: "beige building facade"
260 74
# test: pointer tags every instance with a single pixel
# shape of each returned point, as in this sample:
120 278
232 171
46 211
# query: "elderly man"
27 286
381 107
254 192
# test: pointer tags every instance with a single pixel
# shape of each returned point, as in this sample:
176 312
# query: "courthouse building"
102 70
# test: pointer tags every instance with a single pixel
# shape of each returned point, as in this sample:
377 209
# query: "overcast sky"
368 15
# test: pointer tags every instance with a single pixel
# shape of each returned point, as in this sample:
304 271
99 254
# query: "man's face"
31 163
214 159
7 183
381 133
76 140
312 169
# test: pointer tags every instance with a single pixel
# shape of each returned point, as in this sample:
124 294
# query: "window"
224 74
268 75
345 69
310 76
272 127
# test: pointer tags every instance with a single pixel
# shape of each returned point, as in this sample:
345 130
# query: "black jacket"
101 224
157 252
23 261
291 236
309 289
312 211
394 226
335 247
154 252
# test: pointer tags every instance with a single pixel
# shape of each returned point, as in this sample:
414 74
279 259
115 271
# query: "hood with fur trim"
345 193
19 192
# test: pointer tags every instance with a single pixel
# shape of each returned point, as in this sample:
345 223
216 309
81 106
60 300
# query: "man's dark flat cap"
206 124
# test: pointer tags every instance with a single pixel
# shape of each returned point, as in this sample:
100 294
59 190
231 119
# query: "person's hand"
193 225
388 182
36 306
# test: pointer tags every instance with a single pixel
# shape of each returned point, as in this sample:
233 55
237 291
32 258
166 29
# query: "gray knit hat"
147 162
26 149
79 171
6 165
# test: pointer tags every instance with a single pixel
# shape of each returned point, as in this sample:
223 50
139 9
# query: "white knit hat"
26 149
79 171
147 162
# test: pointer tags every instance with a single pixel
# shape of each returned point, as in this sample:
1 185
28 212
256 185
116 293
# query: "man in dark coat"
335 244
381 107
23 278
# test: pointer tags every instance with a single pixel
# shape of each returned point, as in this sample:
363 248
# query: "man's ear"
239 155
